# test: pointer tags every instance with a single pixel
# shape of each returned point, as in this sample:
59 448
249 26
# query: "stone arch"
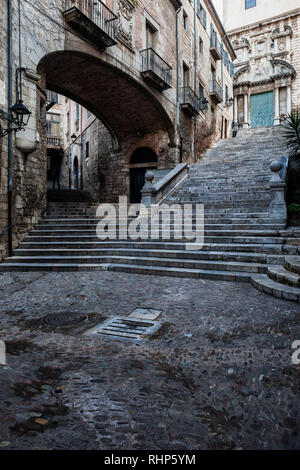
124 106
143 155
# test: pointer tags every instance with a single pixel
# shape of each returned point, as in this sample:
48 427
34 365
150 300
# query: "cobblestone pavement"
218 375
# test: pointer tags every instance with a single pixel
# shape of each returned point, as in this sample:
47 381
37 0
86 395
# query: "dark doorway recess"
143 159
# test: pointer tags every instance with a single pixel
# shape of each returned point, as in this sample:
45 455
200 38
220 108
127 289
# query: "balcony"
215 48
54 142
190 102
93 21
216 91
155 71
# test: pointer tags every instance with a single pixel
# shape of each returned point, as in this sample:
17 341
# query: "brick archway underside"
119 101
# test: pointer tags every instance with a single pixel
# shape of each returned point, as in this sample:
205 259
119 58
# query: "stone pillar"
288 100
246 123
235 109
277 208
148 191
276 108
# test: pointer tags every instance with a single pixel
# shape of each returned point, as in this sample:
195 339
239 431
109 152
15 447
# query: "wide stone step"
33 267
146 261
241 228
292 264
281 275
263 283
179 272
168 245
78 230
260 258
73 237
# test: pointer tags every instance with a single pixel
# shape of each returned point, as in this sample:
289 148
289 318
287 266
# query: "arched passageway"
133 116
142 159
124 106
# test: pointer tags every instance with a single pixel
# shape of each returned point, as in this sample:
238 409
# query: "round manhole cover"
63 319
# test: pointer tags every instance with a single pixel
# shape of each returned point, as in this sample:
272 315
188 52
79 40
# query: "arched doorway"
76 173
143 159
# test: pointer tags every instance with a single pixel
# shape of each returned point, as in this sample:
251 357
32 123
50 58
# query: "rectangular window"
213 73
200 46
53 125
186 76
184 20
150 37
201 91
250 4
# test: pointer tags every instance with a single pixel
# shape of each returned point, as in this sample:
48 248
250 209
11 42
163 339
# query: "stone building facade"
265 35
138 66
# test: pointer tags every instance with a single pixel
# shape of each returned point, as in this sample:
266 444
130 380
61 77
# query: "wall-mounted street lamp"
18 115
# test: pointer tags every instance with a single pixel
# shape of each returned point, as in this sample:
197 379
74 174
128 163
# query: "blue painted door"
262 109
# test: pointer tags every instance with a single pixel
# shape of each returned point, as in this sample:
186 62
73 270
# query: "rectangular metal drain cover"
125 328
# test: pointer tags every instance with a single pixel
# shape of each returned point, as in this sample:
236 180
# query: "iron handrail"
97 12
215 44
190 97
216 88
152 61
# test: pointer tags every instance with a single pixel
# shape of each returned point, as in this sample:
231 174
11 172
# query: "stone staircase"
242 243
68 195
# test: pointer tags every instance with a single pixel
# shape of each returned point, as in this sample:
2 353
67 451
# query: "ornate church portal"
263 77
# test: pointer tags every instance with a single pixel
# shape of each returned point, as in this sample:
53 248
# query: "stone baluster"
277 208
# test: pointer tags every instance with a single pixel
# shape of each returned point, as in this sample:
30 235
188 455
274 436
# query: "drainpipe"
222 79
195 77
81 150
10 136
177 87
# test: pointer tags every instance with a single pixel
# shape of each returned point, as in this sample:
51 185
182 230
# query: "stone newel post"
277 209
148 190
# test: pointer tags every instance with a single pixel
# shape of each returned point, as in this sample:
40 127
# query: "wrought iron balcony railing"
203 102
54 141
78 11
216 91
190 102
215 48
155 70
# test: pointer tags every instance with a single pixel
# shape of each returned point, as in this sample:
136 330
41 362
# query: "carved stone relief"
125 22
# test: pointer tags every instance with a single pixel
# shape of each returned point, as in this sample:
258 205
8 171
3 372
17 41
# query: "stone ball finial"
149 176
276 166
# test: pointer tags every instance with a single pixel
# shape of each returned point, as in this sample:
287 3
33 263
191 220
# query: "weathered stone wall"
3 141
